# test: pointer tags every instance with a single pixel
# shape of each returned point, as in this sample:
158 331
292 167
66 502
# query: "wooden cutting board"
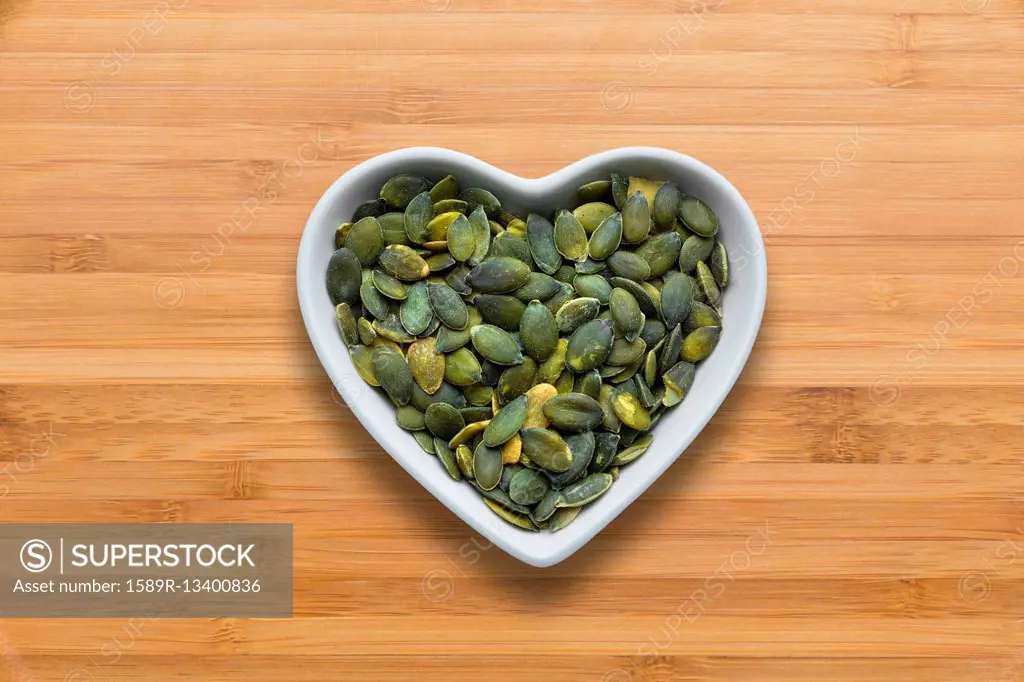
852 512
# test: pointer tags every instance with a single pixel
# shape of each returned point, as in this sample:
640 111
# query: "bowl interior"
742 307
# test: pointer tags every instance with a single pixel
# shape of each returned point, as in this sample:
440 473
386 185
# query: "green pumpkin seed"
341 234
678 381
631 412
389 286
589 266
606 238
391 328
444 421
707 284
370 209
447 305
461 238
425 441
539 286
661 252
626 315
636 219
629 369
500 310
563 517
487 465
476 196
499 275
415 311
588 384
565 383
363 362
647 304
620 189
481 230
700 343
546 449
403 263
648 187
550 369
440 262
694 249
515 381
418 215
629 265
347 324
585 491
538 331
698 217
409 418
651 367
670 348
401 189
479 395
392 371
464 459
437 228
666 205
508 245
446 188
446 394
540 235
528 487
496 344
594 191
633 452
544 509
701 315
606 446
500 495
644 394
576 313
581 445
462 368
426 364
518 520
392 227
570 237
451 206
373 301
573 412
506 423
720 264
653 332
344 277
448 459
589 346
591 215
564 294
625 352
466 435
676 299
365 330
593 286
366 240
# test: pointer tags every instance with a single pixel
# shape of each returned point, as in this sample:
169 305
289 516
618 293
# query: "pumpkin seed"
447 394
576 313
626 315
365 330
543 510
581 445
426 364
594 191
400 190
625 352
464 458
425 441
606 446
585 491
698 217
444 421
570 237
678 381
630 411
589 346
591 215
499 275
649 188
676 299
506 423
409 418
418 215
720 264
540 235
546 449
573 412
538 331
487 464
392 371
369 209
707 284
565 382
512 449
620 187
451 206
478 395
661 252
528 487
373 301
448 306
437 228
651 367
392 227
481 230
694 249
344 277
446 188
589 266
477 196
366 240
500 310
564 294
389 286
462 368
539 286
701 315
391 328
593 286
629 265
347 324
647 304
440 262
496 344
467 434
589 384
363 362
341 234
461 238
606 238
653 332
536 398
415 311
670 348
699 344
518 520
563 517
448 459
509 245
666 205
402 262
636 219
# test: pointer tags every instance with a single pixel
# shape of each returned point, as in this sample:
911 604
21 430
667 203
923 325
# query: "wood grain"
852 513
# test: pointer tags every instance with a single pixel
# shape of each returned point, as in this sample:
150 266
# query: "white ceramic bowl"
743 305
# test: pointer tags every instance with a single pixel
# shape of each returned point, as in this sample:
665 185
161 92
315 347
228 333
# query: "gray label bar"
155 570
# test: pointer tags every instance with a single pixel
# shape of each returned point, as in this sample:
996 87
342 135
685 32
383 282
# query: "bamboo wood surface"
853 512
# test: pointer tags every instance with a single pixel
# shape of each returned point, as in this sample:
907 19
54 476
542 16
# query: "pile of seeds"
530 357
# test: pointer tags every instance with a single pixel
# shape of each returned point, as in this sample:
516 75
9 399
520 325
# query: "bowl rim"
513 540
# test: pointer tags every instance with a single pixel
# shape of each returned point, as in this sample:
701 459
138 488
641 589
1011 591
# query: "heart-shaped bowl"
742 308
